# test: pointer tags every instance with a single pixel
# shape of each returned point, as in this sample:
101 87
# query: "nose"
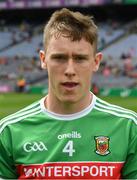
70 69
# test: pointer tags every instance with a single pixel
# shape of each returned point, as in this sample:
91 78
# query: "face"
70 66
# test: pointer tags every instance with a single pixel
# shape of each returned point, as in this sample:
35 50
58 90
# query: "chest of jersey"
84 148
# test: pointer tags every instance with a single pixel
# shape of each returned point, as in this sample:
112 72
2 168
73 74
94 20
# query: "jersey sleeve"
7 166
130 167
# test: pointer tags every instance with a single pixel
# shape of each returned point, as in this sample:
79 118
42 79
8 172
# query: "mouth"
70 85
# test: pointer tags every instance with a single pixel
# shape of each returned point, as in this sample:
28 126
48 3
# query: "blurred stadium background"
22 80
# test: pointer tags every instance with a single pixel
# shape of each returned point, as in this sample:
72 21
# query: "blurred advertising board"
25 4
122 92
130 1
5 89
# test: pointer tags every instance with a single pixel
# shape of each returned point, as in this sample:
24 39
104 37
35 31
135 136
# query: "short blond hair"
73 25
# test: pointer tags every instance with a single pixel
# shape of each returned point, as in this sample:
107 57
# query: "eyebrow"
59 55
85 56
66 55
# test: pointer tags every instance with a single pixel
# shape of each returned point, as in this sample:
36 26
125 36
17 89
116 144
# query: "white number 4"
69 148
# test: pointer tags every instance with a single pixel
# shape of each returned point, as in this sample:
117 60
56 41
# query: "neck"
57 106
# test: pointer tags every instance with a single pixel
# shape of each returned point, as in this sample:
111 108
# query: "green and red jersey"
100 142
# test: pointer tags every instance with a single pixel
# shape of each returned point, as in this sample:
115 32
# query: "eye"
59 58
80 58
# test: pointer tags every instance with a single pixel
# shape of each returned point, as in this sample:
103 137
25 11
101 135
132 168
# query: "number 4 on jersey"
69 148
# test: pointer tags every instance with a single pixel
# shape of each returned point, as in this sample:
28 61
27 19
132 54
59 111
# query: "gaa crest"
102 145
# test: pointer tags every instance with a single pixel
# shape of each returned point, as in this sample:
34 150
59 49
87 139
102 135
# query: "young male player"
70 133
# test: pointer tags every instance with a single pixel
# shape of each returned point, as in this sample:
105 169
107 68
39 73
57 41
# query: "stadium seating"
19 56
125 46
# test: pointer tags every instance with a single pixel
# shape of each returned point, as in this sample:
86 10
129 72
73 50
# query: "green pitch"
10 103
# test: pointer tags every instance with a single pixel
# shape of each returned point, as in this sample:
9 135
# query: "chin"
69 99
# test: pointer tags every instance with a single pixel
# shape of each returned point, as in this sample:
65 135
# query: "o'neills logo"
73 134
102 145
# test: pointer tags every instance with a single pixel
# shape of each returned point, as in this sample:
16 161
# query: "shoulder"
115 110
20 115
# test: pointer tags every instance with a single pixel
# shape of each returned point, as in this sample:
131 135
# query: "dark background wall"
101 13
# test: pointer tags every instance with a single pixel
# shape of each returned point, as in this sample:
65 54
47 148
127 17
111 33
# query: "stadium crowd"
19 54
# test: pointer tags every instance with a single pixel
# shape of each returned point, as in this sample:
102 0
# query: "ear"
98 58
42 59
